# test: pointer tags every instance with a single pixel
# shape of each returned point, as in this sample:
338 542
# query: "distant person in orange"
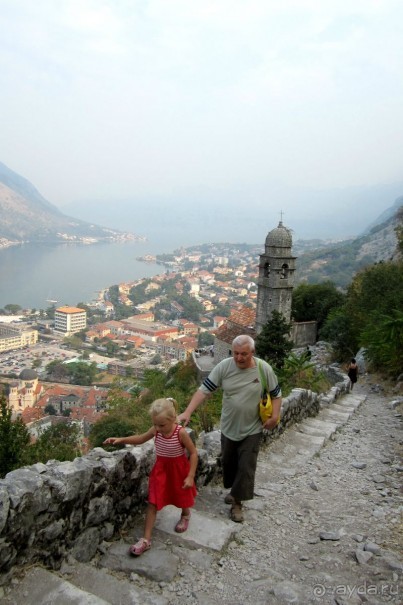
352 373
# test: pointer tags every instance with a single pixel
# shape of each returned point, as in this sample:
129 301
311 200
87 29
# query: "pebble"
329 535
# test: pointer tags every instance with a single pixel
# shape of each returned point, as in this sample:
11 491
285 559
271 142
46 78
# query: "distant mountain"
387 214
25 216
339 262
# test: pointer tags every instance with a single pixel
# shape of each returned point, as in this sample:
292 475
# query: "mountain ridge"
340 261
26 216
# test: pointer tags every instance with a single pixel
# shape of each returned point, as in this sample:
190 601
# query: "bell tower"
276 276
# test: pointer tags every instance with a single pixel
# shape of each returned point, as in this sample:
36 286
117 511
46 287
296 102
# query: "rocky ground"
325 527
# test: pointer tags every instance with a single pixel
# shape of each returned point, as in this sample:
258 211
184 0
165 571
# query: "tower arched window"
284 271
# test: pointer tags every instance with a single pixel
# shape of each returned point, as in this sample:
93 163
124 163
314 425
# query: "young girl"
171 479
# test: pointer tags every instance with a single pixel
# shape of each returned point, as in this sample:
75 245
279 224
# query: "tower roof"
28 374
280 237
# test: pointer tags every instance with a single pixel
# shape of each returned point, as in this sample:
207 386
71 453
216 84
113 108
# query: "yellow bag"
265 404
265 408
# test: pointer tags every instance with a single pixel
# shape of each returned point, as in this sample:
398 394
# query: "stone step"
164 560
332 416
298 438
317 428
323 426
352 400
42 587
203 531
108 587
302 442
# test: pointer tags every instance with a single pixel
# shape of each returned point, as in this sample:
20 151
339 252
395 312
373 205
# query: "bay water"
33 274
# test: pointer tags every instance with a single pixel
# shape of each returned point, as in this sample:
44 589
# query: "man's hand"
184 418
271 423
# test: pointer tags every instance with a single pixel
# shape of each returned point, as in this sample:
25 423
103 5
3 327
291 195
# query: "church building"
276 276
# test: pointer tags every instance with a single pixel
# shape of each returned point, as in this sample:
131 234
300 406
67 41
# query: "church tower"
276 276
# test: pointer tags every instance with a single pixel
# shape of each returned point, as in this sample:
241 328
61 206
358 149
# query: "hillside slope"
26 216
340 262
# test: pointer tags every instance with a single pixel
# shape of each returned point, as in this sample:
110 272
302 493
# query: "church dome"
28 374
280 237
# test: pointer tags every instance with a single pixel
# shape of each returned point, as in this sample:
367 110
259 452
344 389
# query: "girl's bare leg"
150 520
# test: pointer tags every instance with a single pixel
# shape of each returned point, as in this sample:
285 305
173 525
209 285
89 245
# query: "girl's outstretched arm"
193 457
132 439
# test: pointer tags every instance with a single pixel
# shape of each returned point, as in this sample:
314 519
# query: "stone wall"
304 333
50 510
222 350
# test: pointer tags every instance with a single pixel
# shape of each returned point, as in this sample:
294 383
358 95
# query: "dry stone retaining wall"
50 510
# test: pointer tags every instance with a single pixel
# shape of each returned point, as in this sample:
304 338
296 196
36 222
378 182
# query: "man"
241 427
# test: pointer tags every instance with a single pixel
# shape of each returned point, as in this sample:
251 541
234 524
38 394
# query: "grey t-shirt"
241 396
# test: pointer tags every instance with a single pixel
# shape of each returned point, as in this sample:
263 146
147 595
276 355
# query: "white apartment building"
69 320
16 337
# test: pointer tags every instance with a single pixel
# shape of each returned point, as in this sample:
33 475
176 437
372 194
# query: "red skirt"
165 484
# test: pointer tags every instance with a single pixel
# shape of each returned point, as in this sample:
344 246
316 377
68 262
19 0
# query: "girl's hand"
188 482
111 441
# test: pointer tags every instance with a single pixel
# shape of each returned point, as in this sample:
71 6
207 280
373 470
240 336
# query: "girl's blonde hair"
166 406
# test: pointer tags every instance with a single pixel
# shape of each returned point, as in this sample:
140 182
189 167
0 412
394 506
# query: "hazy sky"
101 99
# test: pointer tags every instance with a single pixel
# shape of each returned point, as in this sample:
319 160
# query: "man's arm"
198 398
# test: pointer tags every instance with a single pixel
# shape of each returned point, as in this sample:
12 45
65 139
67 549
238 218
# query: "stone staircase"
114 578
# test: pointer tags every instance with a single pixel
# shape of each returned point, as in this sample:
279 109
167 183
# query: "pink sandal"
141 546
182 524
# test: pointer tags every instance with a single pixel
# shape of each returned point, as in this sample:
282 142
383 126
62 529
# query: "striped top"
169 447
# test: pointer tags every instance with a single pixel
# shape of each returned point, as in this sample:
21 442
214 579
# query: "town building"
25 392
69 320
241 321
14 336
149 330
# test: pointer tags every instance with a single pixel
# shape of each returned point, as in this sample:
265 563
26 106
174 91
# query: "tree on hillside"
382 338
184 376
82 373
56 370
154 381
273 343
110 426
205 339
376 289
130 408
337 329
12 309
298 371
371 318
58 442
313 302
14 439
